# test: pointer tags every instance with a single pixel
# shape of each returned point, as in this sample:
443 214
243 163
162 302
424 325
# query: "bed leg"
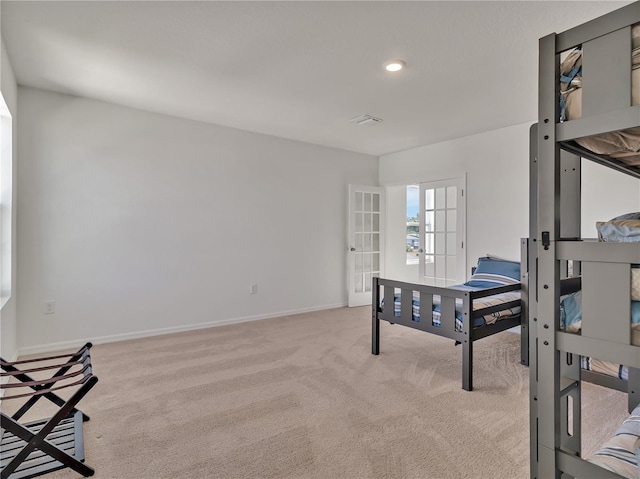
467 365
375 334
375 321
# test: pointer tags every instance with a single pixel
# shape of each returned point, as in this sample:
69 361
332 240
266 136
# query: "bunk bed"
607 91
488 303
594 370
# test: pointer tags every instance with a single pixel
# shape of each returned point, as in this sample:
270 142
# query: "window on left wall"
6 200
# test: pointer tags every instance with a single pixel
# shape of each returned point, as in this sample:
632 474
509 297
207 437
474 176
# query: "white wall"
8 313
605 195
496 165
137 223
497 174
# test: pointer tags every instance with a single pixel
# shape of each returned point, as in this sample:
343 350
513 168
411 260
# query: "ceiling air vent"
365 119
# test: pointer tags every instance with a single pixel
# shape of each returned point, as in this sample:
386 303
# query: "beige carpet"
302 397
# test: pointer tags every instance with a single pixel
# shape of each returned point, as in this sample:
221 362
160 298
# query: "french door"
442 232
366 241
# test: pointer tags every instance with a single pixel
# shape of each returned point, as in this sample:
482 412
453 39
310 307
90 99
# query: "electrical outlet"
253 288
49 307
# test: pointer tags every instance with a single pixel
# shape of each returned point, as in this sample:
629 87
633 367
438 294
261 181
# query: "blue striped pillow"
492 272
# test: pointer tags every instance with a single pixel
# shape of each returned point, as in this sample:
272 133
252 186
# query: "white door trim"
460 230
365 241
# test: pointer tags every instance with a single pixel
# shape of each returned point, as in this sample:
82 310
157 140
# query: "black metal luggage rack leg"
37 447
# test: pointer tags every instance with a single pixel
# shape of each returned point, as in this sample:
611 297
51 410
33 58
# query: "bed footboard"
449 303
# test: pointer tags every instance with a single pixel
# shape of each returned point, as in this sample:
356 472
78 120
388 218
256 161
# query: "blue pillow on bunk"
619 231
492 272
571 312
628 216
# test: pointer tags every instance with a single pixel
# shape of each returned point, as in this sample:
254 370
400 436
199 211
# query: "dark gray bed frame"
386 289
555 240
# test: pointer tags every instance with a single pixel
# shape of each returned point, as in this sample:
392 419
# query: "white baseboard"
77 343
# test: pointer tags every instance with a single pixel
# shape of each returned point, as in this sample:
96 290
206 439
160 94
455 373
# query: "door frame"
461 227
363 298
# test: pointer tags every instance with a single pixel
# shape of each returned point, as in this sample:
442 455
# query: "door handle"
352 248
420 250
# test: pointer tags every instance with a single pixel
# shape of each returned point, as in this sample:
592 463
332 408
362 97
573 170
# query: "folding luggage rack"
37 447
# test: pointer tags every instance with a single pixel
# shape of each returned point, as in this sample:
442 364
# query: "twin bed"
488 303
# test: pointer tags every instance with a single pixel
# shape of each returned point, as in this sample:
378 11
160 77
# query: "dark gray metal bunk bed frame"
555 240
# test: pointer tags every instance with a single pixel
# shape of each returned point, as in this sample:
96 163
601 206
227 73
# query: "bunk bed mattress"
621 146
604 367
478 305
618 454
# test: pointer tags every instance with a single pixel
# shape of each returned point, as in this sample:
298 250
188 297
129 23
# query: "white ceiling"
298 69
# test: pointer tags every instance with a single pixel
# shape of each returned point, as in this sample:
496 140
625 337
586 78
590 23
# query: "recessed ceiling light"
394 65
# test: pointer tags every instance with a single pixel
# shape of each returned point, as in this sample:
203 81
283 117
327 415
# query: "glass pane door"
366 242
442 232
